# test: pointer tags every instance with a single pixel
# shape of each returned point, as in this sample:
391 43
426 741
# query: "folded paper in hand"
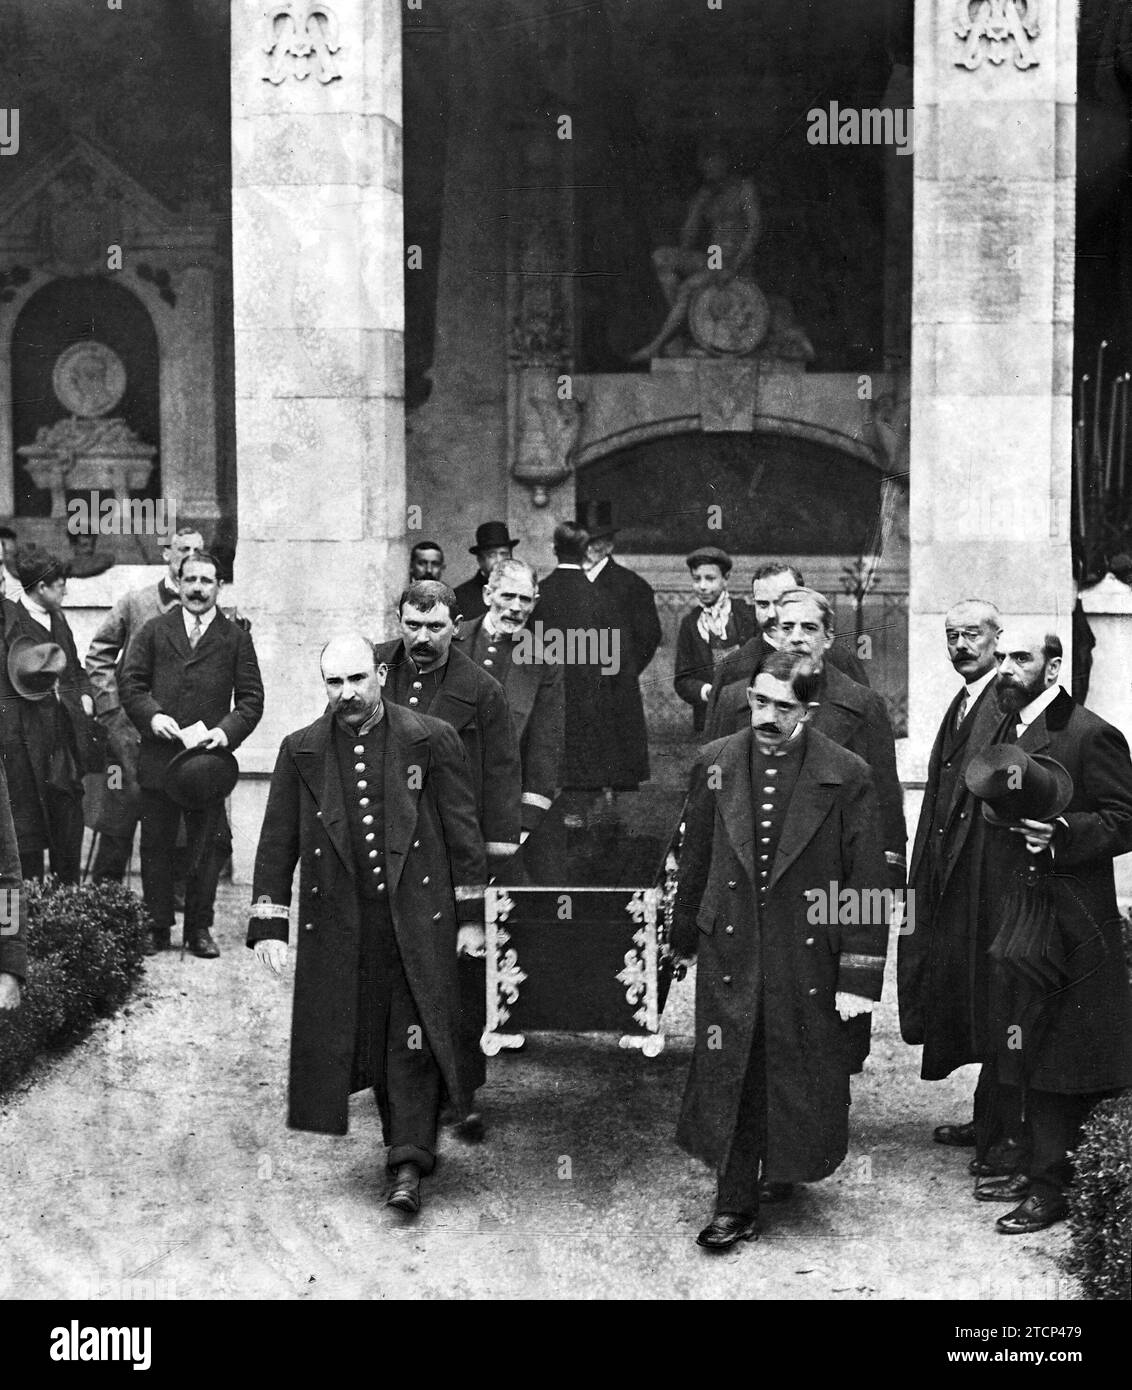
195 734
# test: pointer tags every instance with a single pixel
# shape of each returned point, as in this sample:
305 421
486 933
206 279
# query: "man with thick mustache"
775 813
534 687
942 962
376 806
190 665
429 675
1057 1049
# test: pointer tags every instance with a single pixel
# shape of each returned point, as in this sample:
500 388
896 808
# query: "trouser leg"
160 818
65 831
1054 1123
998 1116
738 1187
112 857
31 863
209 843
412 1080
472 977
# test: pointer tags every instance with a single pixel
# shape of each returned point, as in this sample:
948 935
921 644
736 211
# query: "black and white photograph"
566 664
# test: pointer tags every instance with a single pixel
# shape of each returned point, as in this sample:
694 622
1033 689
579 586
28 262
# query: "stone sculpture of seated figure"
726 209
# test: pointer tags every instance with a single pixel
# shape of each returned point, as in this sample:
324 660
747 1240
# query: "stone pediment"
78 200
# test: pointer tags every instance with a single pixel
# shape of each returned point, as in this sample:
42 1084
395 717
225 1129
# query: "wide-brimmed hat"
197 777
490 536
595 517
1014 785
34 667
710 555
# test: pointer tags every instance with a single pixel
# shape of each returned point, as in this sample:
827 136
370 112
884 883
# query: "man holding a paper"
191 680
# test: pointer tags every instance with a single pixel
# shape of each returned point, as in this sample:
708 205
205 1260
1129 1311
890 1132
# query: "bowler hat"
710 555
34 667
1014 785
595 517
197 777
490 536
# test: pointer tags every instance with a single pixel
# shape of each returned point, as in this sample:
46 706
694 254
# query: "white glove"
850 1005
272 954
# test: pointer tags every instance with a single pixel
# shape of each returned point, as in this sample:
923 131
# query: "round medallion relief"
731 319
89 379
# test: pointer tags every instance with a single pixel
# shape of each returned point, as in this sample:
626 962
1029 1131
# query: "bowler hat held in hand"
1014 785
199 777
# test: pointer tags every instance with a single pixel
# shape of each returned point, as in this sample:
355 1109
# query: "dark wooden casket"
577 925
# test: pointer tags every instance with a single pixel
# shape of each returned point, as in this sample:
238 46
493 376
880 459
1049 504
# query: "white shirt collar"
975 688
1030 712
205 619
591 575
40 614
566 565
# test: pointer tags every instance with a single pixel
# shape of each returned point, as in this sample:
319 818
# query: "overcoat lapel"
317 763
814 794
455 700
734 798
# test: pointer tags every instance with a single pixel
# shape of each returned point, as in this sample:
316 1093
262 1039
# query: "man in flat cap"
714 630
493 543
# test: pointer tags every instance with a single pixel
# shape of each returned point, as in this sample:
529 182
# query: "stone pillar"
317 247
992 334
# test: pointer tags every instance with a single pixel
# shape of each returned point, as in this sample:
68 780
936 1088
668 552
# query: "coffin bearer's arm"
275 861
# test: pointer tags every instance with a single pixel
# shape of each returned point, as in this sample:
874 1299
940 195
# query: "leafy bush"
1100 1203
84 957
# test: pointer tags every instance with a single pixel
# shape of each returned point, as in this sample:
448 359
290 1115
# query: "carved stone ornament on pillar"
994 30
304 39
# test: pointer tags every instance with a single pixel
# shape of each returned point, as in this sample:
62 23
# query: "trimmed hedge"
84 958
1100 1203
1100 1198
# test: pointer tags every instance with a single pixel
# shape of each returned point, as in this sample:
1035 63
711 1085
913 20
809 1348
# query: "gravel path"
154 1161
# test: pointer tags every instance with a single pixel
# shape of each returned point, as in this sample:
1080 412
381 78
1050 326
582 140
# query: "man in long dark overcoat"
638 623
46 742
593 758
942 965
849 713
501 644
431 675
376 805
775 816
1065 1044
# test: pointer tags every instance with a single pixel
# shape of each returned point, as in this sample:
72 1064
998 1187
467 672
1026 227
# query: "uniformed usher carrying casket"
376 804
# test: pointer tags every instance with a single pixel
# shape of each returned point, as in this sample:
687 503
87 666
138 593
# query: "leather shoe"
1011 1189
155 941
405 1194
201 944
771 1192
957 1136
1001 1161
726 1228
1038 1211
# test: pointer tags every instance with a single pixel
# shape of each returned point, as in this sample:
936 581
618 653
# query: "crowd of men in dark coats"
440 752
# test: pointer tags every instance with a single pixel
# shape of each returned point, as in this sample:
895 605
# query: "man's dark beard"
1012 698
